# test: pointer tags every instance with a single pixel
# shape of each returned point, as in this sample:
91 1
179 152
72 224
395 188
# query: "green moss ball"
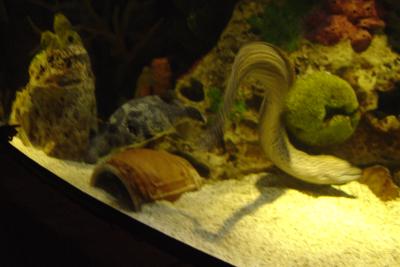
321 109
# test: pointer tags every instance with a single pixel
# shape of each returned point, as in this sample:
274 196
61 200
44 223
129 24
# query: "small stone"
380 181
360 40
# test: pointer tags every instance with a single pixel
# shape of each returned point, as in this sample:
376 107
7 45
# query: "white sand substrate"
265 219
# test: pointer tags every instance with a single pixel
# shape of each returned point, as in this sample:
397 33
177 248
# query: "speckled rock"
57 108
377 68
137 122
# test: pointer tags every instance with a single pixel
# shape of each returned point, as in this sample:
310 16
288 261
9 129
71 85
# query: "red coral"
353 9
156 79
333 30
371 24
353 19
162 75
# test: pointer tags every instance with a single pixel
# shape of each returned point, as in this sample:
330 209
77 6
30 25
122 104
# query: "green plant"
238 110
216 99
281 22
321 110
215 96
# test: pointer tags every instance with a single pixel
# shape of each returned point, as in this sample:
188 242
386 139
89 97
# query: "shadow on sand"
274 180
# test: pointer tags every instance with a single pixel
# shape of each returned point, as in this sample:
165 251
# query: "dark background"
47 222
121 36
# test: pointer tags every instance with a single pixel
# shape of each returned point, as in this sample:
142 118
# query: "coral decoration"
340 19
155 79
335 28
161 74
149 175
57 108
353 9
371 23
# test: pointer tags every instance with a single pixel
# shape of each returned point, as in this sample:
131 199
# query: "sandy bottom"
265 219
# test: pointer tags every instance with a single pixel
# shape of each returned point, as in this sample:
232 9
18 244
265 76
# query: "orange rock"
371 24
353 19
162 75
353 9
336 28
155 79
380 181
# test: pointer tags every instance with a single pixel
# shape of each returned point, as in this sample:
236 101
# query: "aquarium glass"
261 132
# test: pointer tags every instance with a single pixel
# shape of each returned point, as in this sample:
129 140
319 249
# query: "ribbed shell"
150 175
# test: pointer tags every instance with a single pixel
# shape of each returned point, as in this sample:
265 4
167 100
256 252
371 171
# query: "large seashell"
149 175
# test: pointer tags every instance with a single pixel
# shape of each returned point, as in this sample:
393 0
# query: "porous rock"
342 19
57 108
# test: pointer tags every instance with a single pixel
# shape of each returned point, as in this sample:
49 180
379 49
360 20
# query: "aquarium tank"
261 132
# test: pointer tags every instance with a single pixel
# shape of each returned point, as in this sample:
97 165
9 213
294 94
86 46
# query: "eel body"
271 66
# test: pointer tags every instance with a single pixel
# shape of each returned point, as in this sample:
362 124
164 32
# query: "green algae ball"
321 110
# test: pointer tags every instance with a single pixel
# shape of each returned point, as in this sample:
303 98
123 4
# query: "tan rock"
380 181
57 108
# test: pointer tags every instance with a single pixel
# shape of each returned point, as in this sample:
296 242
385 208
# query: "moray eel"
271 66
